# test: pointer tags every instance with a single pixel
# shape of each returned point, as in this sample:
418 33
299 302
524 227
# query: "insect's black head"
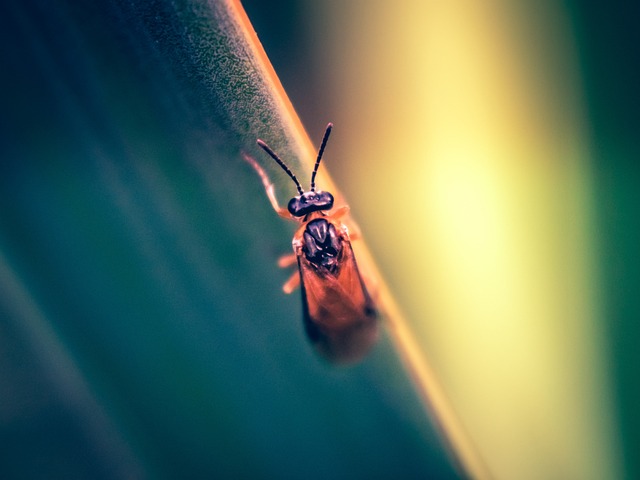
310 202
305 202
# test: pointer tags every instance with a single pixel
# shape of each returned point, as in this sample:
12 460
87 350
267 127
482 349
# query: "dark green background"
608 40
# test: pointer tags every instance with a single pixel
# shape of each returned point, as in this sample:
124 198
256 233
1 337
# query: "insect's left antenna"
327 132
273 155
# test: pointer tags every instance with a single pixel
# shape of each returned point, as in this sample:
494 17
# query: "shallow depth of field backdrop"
489 152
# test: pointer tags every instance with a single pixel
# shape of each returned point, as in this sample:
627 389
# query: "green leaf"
143 329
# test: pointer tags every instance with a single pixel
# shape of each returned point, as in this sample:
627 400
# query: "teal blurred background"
609 46
143 329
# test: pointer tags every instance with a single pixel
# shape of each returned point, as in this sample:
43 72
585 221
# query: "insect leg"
291 284
268 186
287 260
354 233
340 212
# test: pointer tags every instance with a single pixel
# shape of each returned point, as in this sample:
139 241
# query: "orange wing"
339 315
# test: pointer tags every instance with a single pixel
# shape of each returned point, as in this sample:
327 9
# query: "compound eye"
325 199
294 206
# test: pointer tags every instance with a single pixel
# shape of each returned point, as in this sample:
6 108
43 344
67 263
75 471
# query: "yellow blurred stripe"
467 116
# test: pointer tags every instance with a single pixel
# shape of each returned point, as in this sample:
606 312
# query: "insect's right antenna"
273 155
327 132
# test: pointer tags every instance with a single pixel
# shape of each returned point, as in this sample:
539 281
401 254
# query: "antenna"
327 132
272 154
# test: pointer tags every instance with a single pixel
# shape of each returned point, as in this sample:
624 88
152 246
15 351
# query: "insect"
338 313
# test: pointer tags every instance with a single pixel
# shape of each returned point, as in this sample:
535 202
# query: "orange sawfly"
338 313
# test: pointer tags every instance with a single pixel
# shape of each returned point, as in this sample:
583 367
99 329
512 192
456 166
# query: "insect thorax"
321 244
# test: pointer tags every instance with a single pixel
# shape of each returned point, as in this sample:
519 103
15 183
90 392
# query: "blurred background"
489 153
